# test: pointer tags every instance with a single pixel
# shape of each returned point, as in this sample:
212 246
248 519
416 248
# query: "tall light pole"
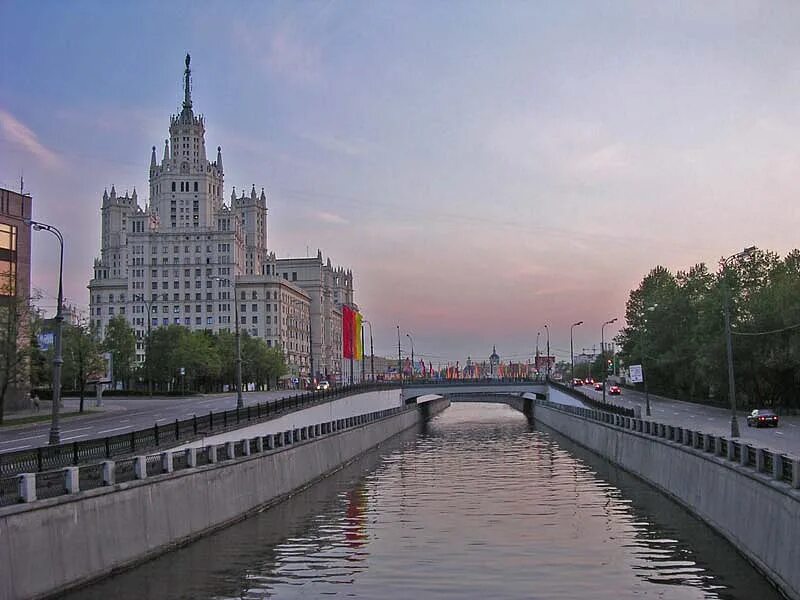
399 358
728 343
149 307
58 360
408 335
603 353
644 355
536 356
371 353
572 353
547 358
239 399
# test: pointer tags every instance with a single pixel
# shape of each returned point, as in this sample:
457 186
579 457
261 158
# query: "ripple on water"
479 506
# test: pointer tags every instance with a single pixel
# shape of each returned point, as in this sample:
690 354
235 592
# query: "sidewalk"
69 409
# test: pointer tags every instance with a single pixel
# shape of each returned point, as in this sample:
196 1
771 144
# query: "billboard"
541 362
637 376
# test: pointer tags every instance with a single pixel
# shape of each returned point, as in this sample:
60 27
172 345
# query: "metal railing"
46 458
776 465
28 487
599 404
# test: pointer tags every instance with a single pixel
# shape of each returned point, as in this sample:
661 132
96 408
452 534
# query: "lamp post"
58 360
536 359
399 358
408 335
572 353
239 399
149 306
644 355
547 358
728 343
371 353
603 353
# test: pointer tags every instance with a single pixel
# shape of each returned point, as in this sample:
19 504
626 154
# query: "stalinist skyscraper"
186 257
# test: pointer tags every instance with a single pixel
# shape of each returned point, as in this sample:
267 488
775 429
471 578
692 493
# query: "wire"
755 333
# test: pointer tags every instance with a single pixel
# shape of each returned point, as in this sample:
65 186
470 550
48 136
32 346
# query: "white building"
180 258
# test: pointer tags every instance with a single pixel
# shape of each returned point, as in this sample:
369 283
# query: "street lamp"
239 399
603 353
408 335
571 353
536 359
728 344
547 358
149 307
371 351
399 358
58 360
644 355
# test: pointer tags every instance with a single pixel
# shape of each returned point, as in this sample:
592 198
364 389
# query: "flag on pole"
358 351
347 331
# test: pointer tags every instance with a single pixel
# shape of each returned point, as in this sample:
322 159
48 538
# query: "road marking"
17 448
778 433
157 420
74 437
74 430
189 414
30 437
124 420
114 429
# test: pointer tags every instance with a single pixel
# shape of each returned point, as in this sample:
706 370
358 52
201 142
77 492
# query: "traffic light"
610 367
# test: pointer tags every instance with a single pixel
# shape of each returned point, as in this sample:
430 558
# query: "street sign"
636 374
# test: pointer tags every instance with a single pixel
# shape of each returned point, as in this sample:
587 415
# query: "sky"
484 168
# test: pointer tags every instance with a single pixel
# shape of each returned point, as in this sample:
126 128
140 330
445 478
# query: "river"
479 504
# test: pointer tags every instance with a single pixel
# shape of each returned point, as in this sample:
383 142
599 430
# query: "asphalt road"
123 415
709 419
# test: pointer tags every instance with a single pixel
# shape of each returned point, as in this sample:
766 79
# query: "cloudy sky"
483 167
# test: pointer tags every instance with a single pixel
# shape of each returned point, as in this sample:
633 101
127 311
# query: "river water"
479 504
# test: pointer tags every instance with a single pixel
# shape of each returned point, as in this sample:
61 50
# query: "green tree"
15 327
82 360
120 341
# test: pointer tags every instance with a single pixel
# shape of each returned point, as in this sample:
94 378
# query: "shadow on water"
223 560
667 532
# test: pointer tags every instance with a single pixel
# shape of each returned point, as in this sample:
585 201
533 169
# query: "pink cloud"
21 135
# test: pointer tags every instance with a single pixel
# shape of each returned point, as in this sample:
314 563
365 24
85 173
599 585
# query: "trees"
675 327
120 341
81 357
14 347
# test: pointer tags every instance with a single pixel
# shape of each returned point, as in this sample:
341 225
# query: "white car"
323 385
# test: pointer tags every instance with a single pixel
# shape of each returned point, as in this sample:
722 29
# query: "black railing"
46 458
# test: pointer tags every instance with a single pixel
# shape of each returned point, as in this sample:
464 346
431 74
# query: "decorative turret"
105 195
263 195
253 192
166 151
219 158
153 159
113 192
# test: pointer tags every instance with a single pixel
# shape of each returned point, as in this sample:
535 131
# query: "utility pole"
399 359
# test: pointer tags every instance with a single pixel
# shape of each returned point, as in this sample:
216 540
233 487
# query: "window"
173 186
255 307
195 186
294 276
255 296
243 320
254 320
209 320
243 308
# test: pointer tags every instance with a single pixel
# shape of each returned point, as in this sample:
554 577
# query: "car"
323 385
614 390
598 386
762 416
589 381
577 382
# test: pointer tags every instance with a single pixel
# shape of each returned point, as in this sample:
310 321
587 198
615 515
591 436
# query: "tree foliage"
675 328
120 341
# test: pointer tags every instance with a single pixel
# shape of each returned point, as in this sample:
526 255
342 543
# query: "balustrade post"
109 468
743 454
212 454
27 487
246 447
731 453
777 466
795 473
71 480
140 467
230 450
191 458
260 444
166 462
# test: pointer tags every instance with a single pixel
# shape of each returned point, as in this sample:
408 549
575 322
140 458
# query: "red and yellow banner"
351 334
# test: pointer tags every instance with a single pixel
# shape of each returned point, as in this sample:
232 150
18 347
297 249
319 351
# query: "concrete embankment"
48 546
758 515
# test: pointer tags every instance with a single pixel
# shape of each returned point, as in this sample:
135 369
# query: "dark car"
589 381
614 390
576 382
762 416
598 386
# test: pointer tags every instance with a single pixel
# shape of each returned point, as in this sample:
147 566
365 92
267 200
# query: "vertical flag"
358 351
347 331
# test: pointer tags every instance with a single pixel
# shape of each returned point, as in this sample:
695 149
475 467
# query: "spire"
219 158
263 195
153 158
253 192
233 195
133 197
113 192
166 150
105 194
187 84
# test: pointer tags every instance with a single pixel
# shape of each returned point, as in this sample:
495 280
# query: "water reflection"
479 506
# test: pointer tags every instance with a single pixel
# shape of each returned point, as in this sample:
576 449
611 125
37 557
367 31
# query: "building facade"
15 287
189 258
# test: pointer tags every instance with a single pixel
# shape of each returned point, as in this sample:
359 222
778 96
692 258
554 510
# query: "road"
122 415
709 419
